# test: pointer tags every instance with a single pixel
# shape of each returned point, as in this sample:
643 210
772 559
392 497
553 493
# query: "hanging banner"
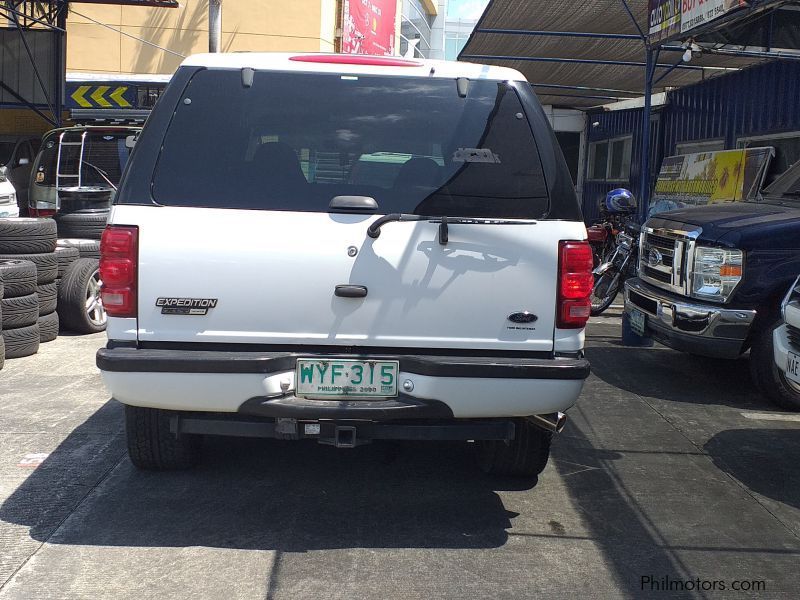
668 19
695 13
664 19
709 177
369 26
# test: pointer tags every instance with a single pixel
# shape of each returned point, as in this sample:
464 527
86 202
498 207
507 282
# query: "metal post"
644 187
214 25
60 66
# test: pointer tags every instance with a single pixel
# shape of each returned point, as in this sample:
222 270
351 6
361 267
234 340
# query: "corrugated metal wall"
761 100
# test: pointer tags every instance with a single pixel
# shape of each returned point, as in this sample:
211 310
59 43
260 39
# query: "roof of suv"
352 64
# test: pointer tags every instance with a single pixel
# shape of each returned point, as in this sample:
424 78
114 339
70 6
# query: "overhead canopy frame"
584 55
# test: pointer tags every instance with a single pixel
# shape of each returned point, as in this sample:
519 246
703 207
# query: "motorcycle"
610 275
615 245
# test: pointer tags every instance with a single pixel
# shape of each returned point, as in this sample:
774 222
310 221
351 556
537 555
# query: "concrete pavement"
667 471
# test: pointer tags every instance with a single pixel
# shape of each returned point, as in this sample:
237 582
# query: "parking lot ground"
672 469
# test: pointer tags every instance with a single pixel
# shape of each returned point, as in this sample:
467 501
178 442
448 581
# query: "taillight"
42 213
575 283
118 265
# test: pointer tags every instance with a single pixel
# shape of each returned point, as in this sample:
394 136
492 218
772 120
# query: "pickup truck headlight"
715 273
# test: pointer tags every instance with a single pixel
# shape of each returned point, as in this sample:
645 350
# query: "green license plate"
317 378
638 320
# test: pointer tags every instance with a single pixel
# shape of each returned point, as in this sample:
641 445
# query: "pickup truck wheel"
151 445
767 377
524 456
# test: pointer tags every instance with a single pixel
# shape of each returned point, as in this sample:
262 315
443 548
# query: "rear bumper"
687 325
262 383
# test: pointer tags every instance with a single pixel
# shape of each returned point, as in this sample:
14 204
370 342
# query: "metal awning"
586 54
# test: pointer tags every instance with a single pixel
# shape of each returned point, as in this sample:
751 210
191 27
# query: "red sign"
369 26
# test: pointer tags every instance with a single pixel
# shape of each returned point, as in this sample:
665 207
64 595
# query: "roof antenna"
247 77
433 70
462 83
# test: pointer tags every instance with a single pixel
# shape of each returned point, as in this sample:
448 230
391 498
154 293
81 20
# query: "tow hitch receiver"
344 436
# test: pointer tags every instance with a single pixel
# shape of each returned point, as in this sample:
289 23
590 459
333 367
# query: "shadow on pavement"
677 376
629 540
264 494
764 460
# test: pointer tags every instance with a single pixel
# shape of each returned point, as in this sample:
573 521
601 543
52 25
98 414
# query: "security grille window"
610 160
412 144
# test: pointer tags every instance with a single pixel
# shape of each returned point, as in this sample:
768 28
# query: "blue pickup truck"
711 280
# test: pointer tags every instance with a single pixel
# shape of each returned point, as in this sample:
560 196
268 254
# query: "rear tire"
151 445
524 456
766 375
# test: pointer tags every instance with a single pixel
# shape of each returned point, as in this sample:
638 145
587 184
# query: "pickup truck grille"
663 259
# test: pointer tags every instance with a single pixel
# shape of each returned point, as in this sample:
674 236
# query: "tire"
65 255
46 265
21 341
48 327
82 224
766 375
27 236
524 456
19 278
48 297
86 248
20 311
2 351
601 304
152 447
80 281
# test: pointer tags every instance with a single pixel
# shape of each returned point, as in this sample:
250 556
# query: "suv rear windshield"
294 141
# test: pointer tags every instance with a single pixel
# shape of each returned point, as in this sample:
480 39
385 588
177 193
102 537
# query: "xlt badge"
186 306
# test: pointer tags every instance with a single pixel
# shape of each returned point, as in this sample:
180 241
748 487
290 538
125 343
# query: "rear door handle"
351 291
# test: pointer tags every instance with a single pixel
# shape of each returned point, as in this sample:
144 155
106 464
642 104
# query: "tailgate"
271 277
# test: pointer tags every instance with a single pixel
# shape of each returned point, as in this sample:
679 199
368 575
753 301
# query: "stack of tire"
28 267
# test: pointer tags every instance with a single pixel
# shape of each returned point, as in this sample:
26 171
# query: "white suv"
785 387
345 248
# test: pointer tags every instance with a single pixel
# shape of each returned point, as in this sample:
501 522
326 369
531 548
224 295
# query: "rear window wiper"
374 229
102 173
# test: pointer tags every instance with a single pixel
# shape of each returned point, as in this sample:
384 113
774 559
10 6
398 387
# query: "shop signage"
368 26
665 19
669 18
695 13
709 177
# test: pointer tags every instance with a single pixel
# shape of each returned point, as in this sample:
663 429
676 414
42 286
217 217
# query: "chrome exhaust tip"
554 422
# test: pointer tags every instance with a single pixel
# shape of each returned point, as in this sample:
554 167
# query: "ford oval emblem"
654 257
522 317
